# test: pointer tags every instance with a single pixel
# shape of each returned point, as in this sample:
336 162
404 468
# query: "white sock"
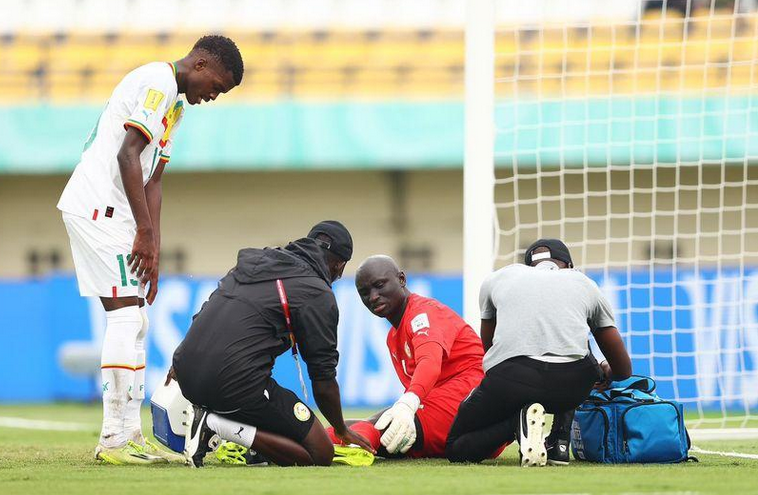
132 417
117 364
232 431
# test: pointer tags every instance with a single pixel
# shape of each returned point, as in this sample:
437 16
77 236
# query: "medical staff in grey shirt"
536 320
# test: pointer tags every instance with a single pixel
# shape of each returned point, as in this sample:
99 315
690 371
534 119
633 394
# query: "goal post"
634 139
478 172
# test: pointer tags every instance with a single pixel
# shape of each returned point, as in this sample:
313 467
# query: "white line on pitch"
624 493
698 450
36 424
659 493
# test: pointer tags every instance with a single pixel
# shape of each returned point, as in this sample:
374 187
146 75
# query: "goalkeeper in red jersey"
437 357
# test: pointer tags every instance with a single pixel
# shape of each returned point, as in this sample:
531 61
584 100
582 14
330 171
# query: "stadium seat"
77 55
18 88
101 83
661 52
22 56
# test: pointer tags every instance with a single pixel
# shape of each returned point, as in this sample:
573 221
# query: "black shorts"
277 410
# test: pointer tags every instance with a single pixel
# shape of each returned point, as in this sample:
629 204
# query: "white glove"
401 434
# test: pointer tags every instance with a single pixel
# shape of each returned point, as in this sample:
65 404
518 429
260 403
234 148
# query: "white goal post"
478 173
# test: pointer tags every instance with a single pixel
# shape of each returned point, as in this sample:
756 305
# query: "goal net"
635 140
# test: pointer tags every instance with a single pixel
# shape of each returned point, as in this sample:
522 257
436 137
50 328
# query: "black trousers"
488 418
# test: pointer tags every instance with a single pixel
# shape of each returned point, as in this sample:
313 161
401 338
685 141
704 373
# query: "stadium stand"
658 53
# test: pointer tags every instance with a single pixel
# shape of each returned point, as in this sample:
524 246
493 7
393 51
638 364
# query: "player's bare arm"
144 251
487 332
618 365
327 396
154 197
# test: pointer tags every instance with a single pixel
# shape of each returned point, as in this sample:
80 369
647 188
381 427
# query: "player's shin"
117 364
132 417
232 431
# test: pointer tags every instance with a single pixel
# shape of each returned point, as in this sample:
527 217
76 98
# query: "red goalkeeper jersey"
427 328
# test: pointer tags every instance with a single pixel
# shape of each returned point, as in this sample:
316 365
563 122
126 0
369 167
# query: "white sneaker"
531 436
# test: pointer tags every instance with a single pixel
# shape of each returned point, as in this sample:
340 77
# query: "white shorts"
100 249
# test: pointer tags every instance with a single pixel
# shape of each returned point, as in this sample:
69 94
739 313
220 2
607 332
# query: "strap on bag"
288 323
624 388
689 458
629 394
637 382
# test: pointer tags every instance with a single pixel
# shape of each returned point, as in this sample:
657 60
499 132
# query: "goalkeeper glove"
399 422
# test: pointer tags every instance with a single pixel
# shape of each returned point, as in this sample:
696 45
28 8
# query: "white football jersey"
147 100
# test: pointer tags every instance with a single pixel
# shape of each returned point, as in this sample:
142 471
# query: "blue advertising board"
712 354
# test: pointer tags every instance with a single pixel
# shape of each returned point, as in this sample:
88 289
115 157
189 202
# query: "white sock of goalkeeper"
133 418
232 431
117 365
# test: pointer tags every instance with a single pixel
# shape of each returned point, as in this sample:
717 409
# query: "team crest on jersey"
302 412
407 350
419 323
154 98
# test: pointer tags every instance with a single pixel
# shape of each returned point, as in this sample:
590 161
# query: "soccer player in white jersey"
111 209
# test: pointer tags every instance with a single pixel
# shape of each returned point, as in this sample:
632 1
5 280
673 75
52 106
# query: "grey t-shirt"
541 312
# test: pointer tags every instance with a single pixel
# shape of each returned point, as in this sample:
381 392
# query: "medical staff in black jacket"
272 298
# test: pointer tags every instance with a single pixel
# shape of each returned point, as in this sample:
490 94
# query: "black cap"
342 242
558 251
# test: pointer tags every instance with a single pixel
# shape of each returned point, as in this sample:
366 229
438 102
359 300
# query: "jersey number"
122 267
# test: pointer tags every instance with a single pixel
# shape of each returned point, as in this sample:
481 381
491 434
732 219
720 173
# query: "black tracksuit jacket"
227 356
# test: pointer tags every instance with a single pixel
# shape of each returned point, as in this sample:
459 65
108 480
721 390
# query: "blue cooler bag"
629 423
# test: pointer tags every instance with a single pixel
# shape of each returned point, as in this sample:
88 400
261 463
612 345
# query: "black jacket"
227 356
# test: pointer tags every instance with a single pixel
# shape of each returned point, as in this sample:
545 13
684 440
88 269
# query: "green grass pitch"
40 461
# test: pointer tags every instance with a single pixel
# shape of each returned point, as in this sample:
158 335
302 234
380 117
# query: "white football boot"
531 436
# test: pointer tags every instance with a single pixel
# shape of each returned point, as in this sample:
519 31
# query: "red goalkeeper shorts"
437 411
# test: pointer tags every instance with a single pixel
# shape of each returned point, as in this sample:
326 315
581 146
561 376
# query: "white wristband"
411 400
